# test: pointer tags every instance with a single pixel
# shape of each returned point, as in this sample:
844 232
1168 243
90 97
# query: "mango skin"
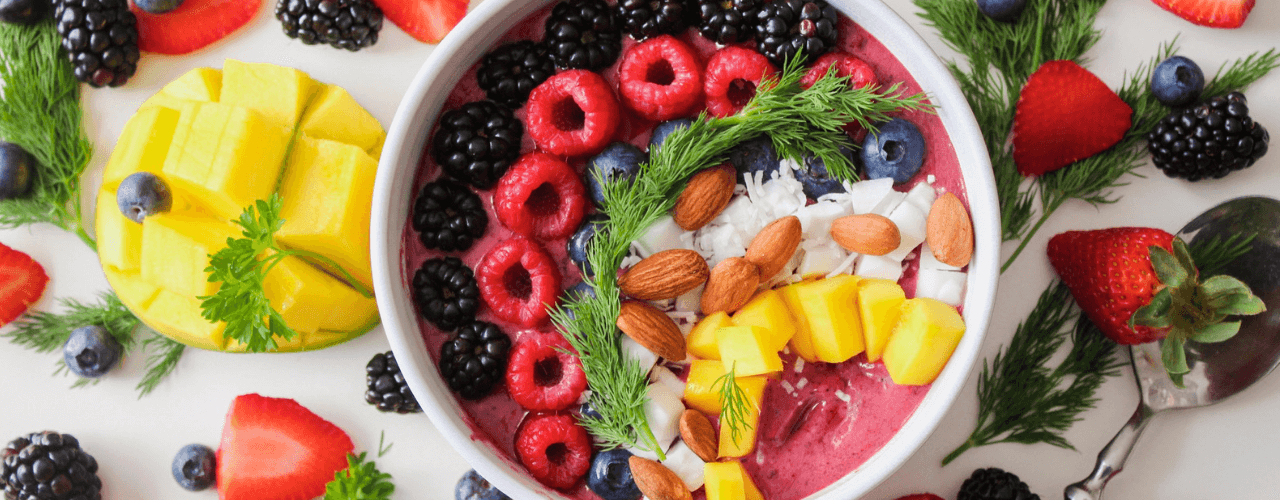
926 335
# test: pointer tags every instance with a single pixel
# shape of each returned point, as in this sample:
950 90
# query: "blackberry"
343 24
446 292
48 465
386 386
101 39
477 142
728 22
475 359
448 216
784 27
995 484
649 18
582 34
511 71
1208 141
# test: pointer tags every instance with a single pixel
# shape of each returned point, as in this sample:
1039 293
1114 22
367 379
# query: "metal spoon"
1220 370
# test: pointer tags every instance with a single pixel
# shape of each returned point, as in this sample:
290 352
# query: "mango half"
222 139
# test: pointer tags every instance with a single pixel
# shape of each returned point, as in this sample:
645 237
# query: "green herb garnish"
735 404
361 480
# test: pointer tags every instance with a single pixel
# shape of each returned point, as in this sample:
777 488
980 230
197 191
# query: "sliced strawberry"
22 281
1065 114
193 25
275 449
1211 13
427 20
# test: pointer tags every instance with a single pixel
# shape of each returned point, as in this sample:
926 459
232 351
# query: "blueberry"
474 487
610 476
581 238
662 130
815 179
618 161
1002 10
157 6
142 194
588 411
897 151
753 156
16 167
194 467
23 11
1177 81
575 292
90 351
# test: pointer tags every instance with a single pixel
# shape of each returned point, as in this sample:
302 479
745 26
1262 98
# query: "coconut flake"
911 223
878 266
865 195
842 396
946 286
845 267
801 383
799 365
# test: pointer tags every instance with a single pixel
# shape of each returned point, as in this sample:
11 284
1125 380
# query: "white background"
1228 451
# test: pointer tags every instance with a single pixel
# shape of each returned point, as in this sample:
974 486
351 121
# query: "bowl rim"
405 145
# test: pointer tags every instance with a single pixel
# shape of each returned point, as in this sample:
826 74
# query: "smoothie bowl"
771 332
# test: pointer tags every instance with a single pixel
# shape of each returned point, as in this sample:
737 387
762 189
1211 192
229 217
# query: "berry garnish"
22 282
897 151
660 78
446 292
157 6
1211 13
618 161
276 448
385 386
541 197
477 142
785 28
1005 11
16 169
573 113
994 484
610 476
143 194
755 155
1208 141
581 239
859 72
343 24
814 178
426 20
664 129
554 448
582 34
1065 114
101 39
1177 81
48 465
648 18
511 71
195 467
90 351
519 281
448 216
192 26
732 76
471 486
580 291
543 373
23 11
729 22
475 359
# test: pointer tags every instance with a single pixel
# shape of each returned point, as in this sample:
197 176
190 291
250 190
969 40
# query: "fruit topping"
447 292
656 481
728 480
618 161
48 465
91 351
475 359
859 72
519 281
343 24
660 78
786 28
573 113
472 486
195 467
143 194
648 18
541 197
510 72
543 373
275 449
730 22
448 216
477 142
1208 141
1065 114
652 329
554 448
665 275
664 129
101 39
385 386
927 332
581 239
994 484
1177 81
1005 11
23 11
610 476
814 178
897 151
193 25
731 79
157 6
755 155
426 20
22 282
583 34
16 169
1211 13
705 195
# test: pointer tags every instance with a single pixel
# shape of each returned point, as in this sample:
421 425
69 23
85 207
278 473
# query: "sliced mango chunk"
311 300
178 316
768 310
119 239
745 441
334 115
176 249
142 146
200 84
802 341
225 158
748 350
701 341
133 291
702 390
279 93
922 342
879 304
729 481
830 308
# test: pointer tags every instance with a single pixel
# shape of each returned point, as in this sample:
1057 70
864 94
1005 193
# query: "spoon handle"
1111 459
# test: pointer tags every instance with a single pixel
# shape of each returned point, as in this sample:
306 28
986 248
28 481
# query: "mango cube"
200 84
729 481
133 291
701 341
745 442
768 310
178 316
279 93
748 350
119 238
702 388
176 249
802 341
142 146
830 307
879 304
923 340
336 116
311 300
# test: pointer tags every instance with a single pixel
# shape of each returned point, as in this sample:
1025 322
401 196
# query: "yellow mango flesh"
830 308
745 442
802 341
702 392
178 316
279 93
311 300
133 291
725 480
336 116
701 341
143 145
768 310
176 249
747 350
926 334
197 85
121 250
879 304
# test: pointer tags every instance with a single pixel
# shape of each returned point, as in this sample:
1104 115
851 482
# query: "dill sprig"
162 360
1213 255
734 403
361 480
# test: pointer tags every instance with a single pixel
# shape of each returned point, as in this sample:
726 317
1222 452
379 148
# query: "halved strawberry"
275 449
1211 13
193 25
1065 114
22 281
427 20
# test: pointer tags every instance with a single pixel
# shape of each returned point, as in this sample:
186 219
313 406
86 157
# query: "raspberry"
572 113
859 72
660 78
543 373
732 76
518 280
554 448
541 196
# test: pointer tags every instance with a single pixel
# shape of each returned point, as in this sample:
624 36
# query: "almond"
733 282
774 245
696 431
949 231
665 275
656 481
652 329
868 234
704 197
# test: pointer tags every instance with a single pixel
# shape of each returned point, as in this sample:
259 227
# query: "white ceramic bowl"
406 143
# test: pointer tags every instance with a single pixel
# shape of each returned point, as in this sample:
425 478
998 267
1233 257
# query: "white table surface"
1228 451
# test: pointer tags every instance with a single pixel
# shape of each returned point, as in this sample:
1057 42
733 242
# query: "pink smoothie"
818 423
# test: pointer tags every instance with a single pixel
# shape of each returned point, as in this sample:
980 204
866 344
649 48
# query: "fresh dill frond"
361 480
1212 256
735 403
162 359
